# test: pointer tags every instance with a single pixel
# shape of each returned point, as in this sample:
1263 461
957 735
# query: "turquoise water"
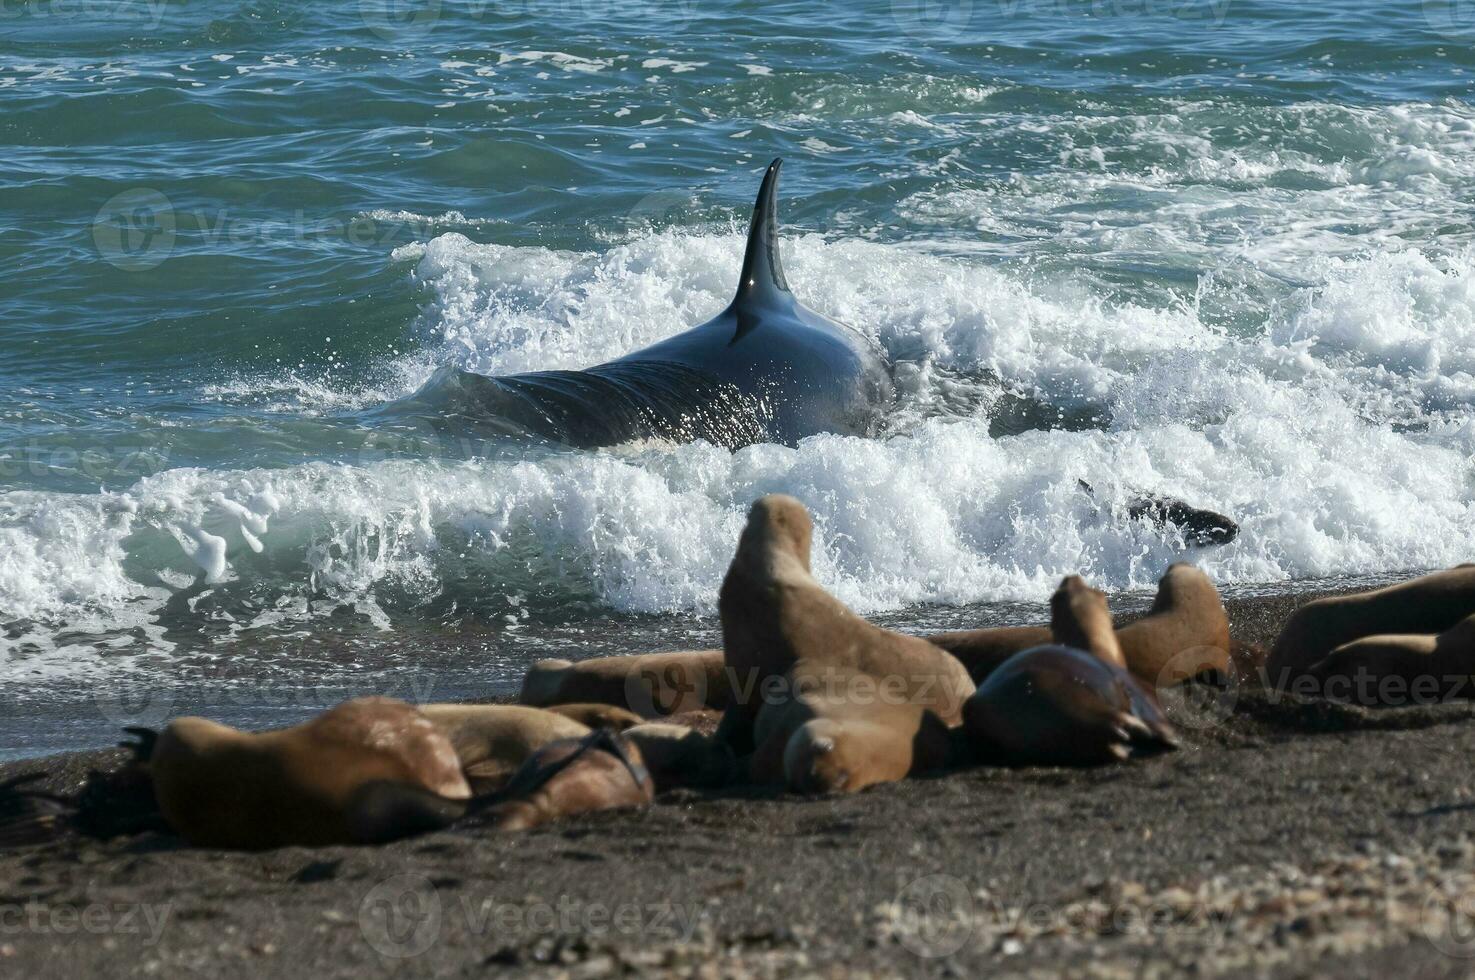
233 236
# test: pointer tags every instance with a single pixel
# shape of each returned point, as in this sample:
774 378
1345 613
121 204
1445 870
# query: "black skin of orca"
765 369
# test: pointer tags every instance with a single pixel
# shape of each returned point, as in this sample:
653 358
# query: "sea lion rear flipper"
384 811
143 749
29 816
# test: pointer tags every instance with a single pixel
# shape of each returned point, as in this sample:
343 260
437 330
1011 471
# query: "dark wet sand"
1285 839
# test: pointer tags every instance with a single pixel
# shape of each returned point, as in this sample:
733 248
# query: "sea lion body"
601 771
1427 667
775 615
220 787
493 740
1430 604
1064 705
840 732
650 685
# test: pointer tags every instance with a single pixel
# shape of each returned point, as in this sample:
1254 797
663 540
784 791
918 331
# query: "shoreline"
1283 837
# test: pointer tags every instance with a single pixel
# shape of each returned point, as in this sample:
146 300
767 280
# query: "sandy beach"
1286 838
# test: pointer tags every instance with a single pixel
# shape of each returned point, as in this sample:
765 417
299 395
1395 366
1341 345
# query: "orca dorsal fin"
763 274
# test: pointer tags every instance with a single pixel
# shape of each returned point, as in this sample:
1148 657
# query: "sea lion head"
1080 618
778 524
1183 583
540 685
815 758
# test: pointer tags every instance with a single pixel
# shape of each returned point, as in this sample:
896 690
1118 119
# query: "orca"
765 369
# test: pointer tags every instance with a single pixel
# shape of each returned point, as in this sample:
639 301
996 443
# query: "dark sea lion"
1430 604
839 731
602 771
678 756
220 787
493 740
765 369
774 615
1396 669
1059 705
983 651
648 684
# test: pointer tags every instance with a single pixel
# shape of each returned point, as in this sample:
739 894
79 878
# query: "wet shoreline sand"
1286 838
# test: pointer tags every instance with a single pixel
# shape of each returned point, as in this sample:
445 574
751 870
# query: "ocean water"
1228 244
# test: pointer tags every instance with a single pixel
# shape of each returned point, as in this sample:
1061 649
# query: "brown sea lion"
1183 636
493 740
602 771
220 787
774 614
649 684
1395 669
678 756
598 715
1430 604
1079 619
840 731
1059 705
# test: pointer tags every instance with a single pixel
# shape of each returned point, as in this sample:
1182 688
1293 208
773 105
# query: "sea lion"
840 731
982 651
1079 619
602 771
493 740
1060 705
648 684
679 757
598 715
220 787
1184 635
1392 669
765 369
1429 604
774 615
